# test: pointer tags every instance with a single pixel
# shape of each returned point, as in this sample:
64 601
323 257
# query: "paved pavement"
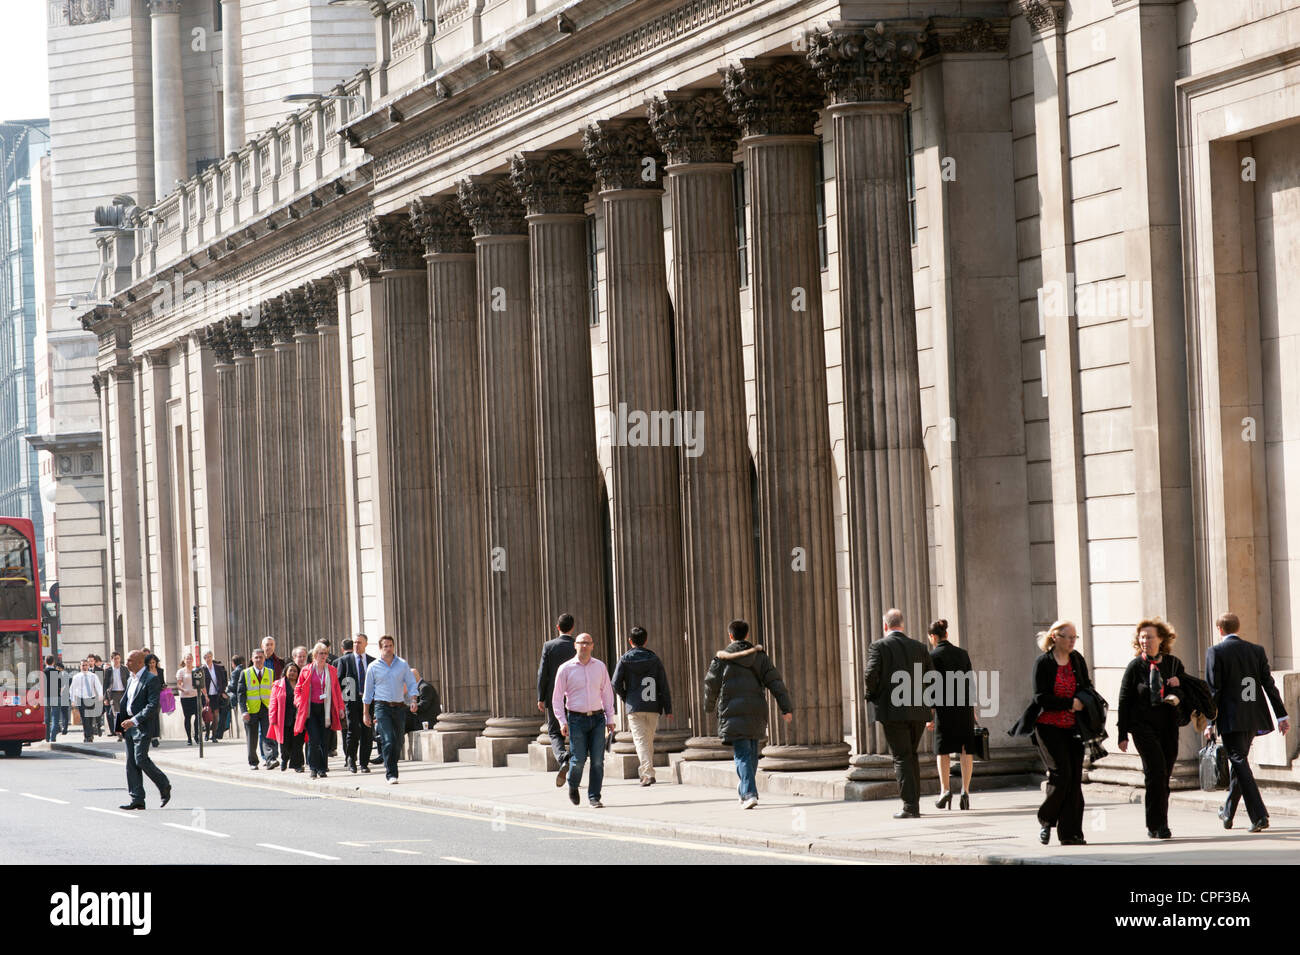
999 828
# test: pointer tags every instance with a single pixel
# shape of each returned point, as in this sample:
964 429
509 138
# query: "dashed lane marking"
404 852
458 859
301 852
110 812
60 802
206 832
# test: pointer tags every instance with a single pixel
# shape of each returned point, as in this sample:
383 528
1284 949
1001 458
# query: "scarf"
1155 681
325 691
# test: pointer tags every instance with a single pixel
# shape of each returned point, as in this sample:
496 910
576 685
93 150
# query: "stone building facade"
665 313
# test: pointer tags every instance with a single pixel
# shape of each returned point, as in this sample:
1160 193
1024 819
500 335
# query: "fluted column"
698 133
232 78
463 665
554 187
335 616
266 473
119 430
867 72
308 504
250 576
518 622
287 465
410 436
232 529
170 151
776 102
645 505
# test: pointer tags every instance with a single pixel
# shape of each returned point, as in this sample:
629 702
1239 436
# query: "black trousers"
559 742
317 744
1157 744
1062 753
291 750
357 736
903 736
190 707
1241 780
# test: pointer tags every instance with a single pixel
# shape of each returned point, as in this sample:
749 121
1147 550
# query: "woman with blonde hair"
1148 709
319 701
1060 674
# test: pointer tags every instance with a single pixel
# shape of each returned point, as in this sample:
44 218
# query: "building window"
911 174
216 15
821 206
15 224
742 224
593 273
16 293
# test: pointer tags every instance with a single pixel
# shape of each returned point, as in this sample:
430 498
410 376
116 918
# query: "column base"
493 750
511 727
460 723
432 746
544 735
541 758
804 757
706 747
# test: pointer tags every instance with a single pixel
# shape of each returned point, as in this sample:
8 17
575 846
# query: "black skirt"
954 727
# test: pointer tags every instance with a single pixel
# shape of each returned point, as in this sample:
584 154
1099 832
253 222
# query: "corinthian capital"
694 127
773 96
301 318
214 336
164 6
552 182
624 153
394 242
323 300
441 225
867 64
492 205
1044 15
241 345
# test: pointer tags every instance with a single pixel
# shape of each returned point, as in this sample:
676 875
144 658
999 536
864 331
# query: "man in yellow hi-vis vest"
254 698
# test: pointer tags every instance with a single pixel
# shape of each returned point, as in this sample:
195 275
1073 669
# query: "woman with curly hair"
1148 710
1060 674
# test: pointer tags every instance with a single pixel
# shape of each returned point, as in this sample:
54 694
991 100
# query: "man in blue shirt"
390 686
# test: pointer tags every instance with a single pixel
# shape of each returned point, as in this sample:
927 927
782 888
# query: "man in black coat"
734 684
216 682
358 738
555 653
138 723
1236 671
896 667
641 682
115 677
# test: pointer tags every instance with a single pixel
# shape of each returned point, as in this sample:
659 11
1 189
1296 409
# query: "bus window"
17 581
20 665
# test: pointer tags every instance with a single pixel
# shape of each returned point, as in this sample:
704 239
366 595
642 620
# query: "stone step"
518 761
468 756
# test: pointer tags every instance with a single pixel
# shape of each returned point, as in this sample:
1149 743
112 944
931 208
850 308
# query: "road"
63 808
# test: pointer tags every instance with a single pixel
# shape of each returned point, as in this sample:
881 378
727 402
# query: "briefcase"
978 745
1213 763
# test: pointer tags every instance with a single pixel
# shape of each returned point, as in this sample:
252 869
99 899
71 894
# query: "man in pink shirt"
583 700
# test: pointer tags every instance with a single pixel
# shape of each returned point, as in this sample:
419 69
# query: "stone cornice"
625 154
395 242
552 182
774 96
694 127
492 205
1044 15
441 225
968 35
867 63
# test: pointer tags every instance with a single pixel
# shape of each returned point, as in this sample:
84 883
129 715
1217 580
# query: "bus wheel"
13 750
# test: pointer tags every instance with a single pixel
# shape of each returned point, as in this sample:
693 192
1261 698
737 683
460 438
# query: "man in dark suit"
896 665
1237 671
216 690
555 653
115 677
138 723
358 738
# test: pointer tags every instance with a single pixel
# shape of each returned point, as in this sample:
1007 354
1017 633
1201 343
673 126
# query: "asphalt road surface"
60 808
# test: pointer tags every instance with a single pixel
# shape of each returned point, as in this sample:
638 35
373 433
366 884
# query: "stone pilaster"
170 156
410 436
554 187
232 526
463 666
248 576
699 133
309 474
266 473
232 79
288 465
509 436
119 426
866 71
776 102
645 503
335 612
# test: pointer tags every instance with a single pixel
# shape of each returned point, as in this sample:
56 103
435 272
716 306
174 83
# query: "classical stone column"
248 575
170 154
266 473
336 608
287 466
776 101
866 72
232 79
698 133
464 666
119 435
645 504
307 506
231 530
406 396
518 622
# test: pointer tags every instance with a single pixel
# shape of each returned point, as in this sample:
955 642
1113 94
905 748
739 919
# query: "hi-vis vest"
259 693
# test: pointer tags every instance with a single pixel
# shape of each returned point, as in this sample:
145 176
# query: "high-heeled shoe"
965 801
945 800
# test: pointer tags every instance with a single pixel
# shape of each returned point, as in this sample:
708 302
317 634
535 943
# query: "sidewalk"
999 829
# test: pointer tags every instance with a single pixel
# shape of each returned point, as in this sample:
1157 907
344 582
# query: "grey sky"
22 60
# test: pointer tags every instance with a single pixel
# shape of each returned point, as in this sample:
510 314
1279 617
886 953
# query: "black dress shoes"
166 798
1045 835
132 805
908 814
1259 826
1074 841
1227 820
573 795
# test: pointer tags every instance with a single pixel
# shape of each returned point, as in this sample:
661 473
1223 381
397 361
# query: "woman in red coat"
284 716
319 699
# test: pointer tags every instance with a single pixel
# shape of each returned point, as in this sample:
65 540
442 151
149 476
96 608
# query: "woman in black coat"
954 718
1059 675
1148 709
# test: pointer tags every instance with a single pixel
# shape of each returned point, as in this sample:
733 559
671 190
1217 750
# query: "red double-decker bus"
22 714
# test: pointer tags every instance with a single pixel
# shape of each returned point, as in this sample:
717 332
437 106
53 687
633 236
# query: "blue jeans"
587 736
745 753
390 720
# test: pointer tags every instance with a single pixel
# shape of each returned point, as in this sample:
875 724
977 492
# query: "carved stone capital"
123 371
867 64
342 279
1044 15
241 345
302 320
441 225
215 337
395 242
491 205
694 127
968 35
323 301
262 333
82 12
97 382
774 96
625 154
552 182
165 6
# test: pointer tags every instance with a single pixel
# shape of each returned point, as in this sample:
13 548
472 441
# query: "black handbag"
1213 764
978 744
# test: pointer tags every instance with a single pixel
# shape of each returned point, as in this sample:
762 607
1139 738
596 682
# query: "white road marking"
61 802
206 832
404 852
458 859
301 852
110 812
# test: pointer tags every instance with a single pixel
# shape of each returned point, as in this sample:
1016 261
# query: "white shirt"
117 678
85 687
